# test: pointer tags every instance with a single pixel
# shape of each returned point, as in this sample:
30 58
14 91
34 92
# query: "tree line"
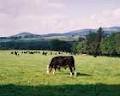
98 43
95 43
55 45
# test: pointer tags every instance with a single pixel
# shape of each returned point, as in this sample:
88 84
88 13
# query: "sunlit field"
25 75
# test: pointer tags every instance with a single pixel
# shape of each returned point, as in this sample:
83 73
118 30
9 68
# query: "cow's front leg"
54 70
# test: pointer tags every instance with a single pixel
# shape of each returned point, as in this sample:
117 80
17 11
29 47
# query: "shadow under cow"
83 74
78 74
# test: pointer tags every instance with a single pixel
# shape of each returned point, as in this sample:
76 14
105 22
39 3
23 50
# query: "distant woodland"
95 43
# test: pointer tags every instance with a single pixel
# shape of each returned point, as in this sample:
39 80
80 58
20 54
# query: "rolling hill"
67 36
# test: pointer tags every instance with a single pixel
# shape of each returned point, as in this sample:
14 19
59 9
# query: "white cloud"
45 16
116 13
107 17
30 15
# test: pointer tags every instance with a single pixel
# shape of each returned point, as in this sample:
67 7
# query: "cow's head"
49 69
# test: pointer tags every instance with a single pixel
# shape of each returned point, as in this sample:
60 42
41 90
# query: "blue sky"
52 16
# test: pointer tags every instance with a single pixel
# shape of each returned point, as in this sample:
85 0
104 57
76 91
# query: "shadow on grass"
83 74
78 74
60 90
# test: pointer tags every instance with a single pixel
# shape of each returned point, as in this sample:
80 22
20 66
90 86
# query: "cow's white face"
48 69
48 72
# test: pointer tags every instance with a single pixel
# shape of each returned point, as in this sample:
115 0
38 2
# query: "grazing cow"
50 53
62 61
44 53
12 52
16 53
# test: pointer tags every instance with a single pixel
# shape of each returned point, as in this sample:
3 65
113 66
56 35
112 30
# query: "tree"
59 45
111 45
78 47
90 43
98 39
93 41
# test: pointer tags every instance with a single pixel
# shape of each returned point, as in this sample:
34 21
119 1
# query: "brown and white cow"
59 62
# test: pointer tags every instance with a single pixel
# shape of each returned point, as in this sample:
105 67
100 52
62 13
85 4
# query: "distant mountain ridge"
81 32
26 35
68 36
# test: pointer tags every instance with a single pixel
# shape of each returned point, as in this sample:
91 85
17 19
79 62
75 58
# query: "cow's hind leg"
75 73
71 71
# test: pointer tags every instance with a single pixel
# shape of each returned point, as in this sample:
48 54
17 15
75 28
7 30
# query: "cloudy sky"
49 16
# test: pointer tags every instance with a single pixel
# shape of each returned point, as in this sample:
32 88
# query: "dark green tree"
78 47
90 43
97 41
111 45
93 41
59 45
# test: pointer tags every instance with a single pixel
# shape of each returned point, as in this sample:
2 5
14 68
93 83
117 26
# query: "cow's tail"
74 69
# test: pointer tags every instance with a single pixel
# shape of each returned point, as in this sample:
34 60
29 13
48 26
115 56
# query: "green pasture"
25 75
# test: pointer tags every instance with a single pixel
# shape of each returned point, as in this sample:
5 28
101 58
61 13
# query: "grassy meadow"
25 75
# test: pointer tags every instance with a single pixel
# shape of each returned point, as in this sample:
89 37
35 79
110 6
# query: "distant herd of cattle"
17 53
56 63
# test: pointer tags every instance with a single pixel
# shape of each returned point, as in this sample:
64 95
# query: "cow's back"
62 61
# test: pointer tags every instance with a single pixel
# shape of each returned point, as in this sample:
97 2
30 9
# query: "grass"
25 75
